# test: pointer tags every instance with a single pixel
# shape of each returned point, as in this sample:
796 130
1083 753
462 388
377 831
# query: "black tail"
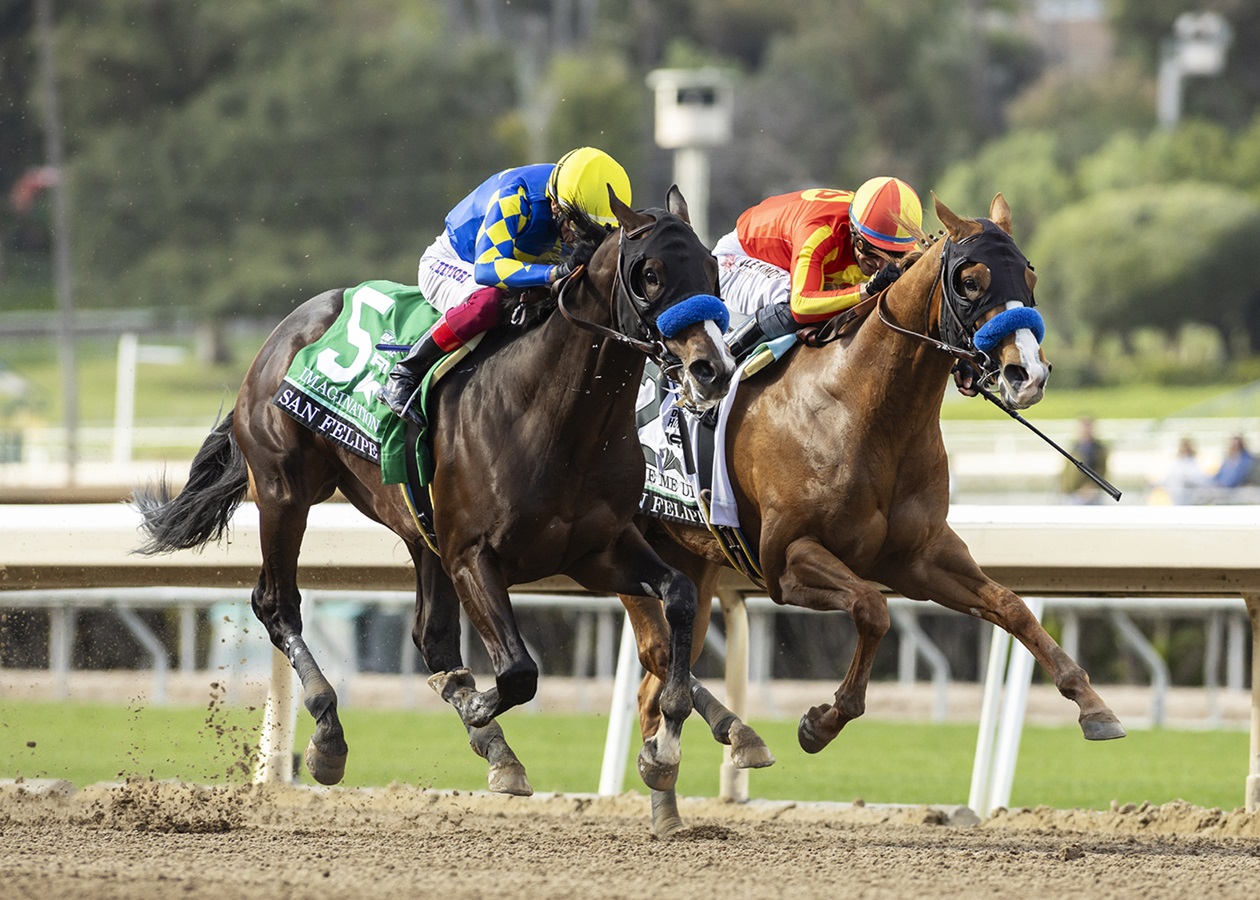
200 513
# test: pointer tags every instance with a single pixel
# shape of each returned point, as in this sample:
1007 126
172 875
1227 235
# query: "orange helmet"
879 209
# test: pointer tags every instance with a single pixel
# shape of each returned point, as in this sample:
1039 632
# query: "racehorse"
841 478
534 474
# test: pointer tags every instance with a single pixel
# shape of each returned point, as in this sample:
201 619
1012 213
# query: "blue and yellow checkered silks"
581 180
879 209
502 259
505 228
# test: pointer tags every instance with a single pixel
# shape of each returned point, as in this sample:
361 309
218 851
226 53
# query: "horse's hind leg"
286 484
435 631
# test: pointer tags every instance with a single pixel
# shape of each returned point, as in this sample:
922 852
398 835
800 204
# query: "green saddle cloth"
333 384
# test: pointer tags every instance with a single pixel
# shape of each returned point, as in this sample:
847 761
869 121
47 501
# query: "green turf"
879 762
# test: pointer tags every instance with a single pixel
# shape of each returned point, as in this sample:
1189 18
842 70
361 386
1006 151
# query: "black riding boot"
770 322
404 379
744 338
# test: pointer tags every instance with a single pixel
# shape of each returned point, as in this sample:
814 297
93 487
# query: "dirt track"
162 840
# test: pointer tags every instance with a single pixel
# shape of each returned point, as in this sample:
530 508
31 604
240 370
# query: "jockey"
506 234
802 257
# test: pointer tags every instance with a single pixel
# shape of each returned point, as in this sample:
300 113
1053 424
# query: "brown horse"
534 456
840 473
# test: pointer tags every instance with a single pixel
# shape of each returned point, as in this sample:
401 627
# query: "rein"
834 328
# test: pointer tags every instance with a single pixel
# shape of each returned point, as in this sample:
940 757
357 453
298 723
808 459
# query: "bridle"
958 314
623 288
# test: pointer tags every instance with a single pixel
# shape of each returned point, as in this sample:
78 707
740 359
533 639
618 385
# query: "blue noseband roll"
700 308
1008 322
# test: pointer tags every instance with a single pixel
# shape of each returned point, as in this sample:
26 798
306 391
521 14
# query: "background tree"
1141 258
310 156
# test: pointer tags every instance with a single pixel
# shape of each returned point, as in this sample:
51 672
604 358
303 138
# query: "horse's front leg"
630 567
436 632
651 634
946 573
748 750
278 605
482 591
814 578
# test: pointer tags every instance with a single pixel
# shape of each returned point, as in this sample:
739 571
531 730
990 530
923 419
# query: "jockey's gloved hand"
561 270
581 254
965 378
882 279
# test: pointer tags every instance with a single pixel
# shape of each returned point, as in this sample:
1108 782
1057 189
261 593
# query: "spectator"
1235 470
1075 485
1185 479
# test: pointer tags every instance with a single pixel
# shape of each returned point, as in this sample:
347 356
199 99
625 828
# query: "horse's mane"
524 309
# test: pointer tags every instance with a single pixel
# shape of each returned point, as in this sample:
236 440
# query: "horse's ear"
676 204
1000 213
957 226
628 218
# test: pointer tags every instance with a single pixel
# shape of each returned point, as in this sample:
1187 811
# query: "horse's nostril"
1015 375
702 371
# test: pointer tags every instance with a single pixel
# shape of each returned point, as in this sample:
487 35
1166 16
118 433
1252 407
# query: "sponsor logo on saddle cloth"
333 384
680 449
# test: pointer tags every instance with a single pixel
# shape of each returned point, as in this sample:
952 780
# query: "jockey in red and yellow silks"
807 235
802 257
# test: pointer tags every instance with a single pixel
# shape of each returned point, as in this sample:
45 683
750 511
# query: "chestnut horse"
842 482
537 472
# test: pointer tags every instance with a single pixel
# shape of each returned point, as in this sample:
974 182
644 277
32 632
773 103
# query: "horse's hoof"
810 740
655 775
445 684
324 768
665 818
666 827
510 778
1101 727
748 750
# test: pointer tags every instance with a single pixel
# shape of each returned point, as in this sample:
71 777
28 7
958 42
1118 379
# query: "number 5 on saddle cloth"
332 387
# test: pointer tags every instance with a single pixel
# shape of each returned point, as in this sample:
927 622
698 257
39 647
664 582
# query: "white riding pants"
445 279
748 283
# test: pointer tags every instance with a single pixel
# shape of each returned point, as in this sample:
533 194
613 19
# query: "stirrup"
413 412
409 408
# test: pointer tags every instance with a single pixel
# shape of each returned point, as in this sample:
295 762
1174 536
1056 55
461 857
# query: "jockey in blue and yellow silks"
505 235
802 257
505 228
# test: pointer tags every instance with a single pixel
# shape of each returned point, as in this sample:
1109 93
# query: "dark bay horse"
537 472
842 482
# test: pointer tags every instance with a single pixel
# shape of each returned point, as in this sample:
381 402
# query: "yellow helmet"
580 179
879 208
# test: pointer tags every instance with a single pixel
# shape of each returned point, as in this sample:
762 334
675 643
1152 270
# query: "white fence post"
733 782
275 744
621 715
997 747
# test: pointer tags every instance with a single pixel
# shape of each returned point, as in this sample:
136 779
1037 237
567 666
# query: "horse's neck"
585 377
900 371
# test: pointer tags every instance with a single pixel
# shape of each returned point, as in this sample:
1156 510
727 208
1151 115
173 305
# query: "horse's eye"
650 277
970 285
